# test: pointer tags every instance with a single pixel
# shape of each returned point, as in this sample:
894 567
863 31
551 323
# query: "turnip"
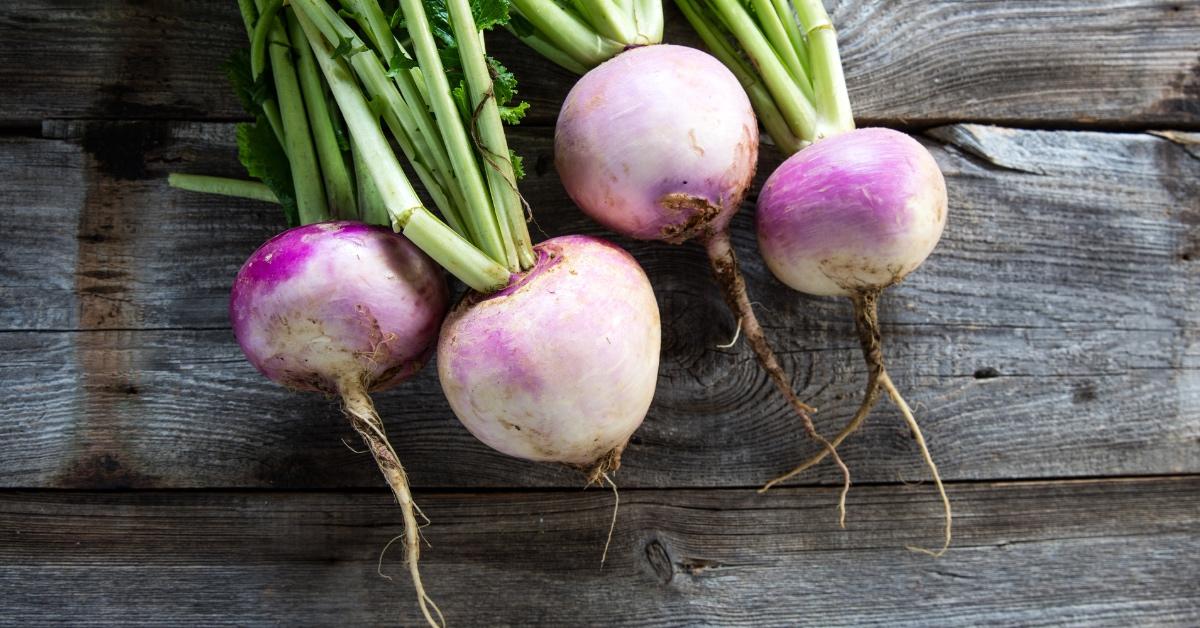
852 212
539 345
658 142
346 309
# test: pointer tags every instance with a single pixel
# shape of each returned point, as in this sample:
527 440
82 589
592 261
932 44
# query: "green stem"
648 18
339 192
446 247
604 17
262 32
239 188
270 109
491 141
306 177
477 205
787 17
778 39
764 105
793 99
550 51
371 208
455 253
568 32
249 13
829 82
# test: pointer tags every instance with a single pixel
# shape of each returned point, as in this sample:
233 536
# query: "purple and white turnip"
851 212
561 365
343 309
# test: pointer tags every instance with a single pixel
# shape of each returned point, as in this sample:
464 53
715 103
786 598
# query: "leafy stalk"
491 142
466 167
450 250
310 198
406 115
582 34
786 59
339 192
268 106
793 98
429 158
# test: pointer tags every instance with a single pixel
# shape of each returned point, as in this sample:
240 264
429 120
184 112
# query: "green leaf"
486 13
345 48
265 160
459 94
513 115
438 17
489 13
451 63
400 62
518 164
250 93
504 84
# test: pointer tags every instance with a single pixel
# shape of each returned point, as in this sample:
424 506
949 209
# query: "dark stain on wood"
105 276
121 149
1185 90
1084 393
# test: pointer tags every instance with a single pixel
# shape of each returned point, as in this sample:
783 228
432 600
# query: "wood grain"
1052 334
1084 553
1062 62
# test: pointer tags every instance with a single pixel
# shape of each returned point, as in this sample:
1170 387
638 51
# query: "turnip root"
344 309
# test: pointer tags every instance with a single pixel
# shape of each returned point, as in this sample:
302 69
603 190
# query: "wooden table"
1051 346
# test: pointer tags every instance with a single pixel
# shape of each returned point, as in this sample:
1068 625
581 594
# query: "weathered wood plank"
183 409
1054 332
1109 62
1038 553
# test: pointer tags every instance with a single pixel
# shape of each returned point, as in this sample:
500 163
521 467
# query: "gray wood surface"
1104 62
1097 553
1052 334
